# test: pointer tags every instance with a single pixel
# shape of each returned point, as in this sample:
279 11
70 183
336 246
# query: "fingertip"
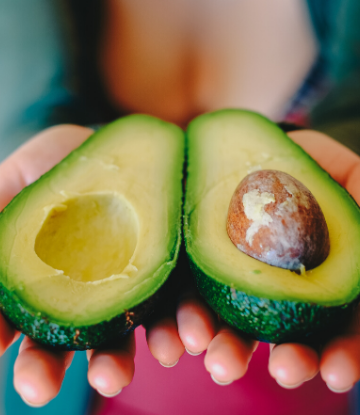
29 395
38 374
292 364
33 405
340 363
196 325
228 356
110 371
164 342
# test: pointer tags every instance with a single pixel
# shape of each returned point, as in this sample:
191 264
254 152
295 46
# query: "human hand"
39 371
196 327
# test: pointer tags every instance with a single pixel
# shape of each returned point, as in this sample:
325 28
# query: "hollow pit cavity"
90 237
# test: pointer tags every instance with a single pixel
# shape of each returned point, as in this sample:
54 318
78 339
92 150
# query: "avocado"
267 302
86 251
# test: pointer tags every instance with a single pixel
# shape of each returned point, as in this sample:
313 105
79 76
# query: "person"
175 77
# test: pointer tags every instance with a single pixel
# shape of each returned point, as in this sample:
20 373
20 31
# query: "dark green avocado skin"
59 336
269 320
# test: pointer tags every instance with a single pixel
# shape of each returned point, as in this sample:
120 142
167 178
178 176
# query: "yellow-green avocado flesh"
87 249
267 302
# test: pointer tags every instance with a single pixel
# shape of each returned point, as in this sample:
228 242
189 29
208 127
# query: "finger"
196 324
342 164
164 342
113 369
352 183
48 148
8 335
340 362
228 356
11 183
292 364
39 372
37 156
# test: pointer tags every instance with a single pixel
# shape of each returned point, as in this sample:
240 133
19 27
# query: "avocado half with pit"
269 303
86 251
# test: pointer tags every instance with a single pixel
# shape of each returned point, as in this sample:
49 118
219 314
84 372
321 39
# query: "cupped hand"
39 371
196 328
339 359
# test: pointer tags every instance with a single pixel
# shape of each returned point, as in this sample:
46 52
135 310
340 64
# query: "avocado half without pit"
287 214
86 251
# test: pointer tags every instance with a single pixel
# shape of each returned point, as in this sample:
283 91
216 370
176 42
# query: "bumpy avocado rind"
268 320
86 251
61 336
267 303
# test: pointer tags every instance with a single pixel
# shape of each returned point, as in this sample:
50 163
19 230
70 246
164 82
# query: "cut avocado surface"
269 303
87 249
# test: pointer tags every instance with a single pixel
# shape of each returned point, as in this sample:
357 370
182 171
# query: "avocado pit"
274 218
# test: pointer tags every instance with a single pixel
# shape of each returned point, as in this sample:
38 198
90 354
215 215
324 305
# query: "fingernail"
192 353
218 381
171 365
108 395
33 405
283 385
338 390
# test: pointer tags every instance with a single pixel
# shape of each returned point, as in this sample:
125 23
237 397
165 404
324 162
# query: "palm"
39 372
228 354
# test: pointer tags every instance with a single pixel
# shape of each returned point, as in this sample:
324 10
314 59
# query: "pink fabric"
188 389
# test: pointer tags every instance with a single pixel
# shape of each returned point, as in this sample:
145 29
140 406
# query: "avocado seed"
274 218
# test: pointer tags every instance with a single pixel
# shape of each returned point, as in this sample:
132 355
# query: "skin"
38 372
198 55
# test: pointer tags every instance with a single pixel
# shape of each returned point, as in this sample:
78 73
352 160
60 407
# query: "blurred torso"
176 59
